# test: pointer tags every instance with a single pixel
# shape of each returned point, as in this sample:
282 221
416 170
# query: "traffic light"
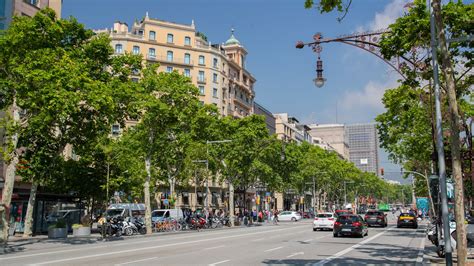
381 172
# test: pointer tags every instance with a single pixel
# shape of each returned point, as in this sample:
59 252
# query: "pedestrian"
260 216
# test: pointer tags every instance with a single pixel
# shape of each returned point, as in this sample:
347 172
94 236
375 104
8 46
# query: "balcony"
201 80
174 61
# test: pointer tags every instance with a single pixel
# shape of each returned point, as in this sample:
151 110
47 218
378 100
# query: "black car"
407 220
350 225
376 218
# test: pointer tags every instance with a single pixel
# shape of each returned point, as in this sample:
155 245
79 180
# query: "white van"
126 210
161 214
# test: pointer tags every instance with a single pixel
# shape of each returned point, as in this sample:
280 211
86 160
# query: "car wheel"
293 219
361 235
315 229
128 231
335 235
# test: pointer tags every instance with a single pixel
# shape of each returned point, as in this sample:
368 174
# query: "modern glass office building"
363 146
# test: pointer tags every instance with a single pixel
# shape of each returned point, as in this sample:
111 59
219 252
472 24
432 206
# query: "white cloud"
381 20
360 105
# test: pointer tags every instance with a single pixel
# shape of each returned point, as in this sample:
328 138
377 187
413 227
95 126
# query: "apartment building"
218 70
334 135
10 8
269 118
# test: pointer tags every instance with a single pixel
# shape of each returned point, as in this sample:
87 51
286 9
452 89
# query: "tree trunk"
27 232
9 178
231 203
146 190
448 71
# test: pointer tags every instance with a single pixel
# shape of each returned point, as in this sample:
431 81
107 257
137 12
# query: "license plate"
346 230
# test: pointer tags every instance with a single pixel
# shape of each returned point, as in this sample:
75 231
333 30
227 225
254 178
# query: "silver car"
289 216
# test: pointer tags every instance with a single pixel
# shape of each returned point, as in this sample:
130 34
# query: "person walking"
275 217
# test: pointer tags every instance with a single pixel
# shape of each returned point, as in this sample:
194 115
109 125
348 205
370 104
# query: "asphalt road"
287 243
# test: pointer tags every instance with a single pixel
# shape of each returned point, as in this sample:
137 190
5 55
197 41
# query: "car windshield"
158 214
114 212
324 215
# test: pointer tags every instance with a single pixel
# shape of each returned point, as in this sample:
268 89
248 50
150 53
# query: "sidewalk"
430 257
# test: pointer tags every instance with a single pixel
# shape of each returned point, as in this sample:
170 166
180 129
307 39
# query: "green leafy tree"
410 33
53 72
162 136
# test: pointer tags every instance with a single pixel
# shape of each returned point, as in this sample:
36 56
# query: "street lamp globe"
319 82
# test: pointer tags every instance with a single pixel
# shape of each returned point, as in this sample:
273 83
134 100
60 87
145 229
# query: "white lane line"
135 261
156 247
127 243
309 240
295 254
219 262
419 259
347 250
272 249
221 246
258 239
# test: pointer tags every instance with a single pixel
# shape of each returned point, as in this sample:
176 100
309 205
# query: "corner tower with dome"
218 70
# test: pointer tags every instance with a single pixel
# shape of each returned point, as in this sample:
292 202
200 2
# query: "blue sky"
269 30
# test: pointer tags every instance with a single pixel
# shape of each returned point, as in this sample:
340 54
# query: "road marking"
347 250
258 239
156 247
309 240
295 254
419 259
219 262
127 243
221 246
272 249
135 261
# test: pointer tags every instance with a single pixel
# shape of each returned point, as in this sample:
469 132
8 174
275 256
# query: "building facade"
333 135
10 8
363 146
269 118
218 70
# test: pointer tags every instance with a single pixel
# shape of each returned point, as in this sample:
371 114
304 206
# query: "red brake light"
356 224
315 218
381 217
331 219
337 224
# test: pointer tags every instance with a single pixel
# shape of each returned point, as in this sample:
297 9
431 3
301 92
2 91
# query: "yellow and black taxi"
407 220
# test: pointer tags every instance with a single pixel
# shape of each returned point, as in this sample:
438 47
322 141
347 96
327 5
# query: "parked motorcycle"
114 226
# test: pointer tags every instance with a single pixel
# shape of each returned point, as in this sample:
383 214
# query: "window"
2 9
215 62
169 38
118 48
187 58
187 40
187 72
151 53
152 35
169 56
169 69
201 76
214 92
31 2
136 49
185 196
140 32
201 90
115 129
214 77
201 60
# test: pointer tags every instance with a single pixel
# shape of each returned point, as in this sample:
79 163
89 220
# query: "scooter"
129 228
114 226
